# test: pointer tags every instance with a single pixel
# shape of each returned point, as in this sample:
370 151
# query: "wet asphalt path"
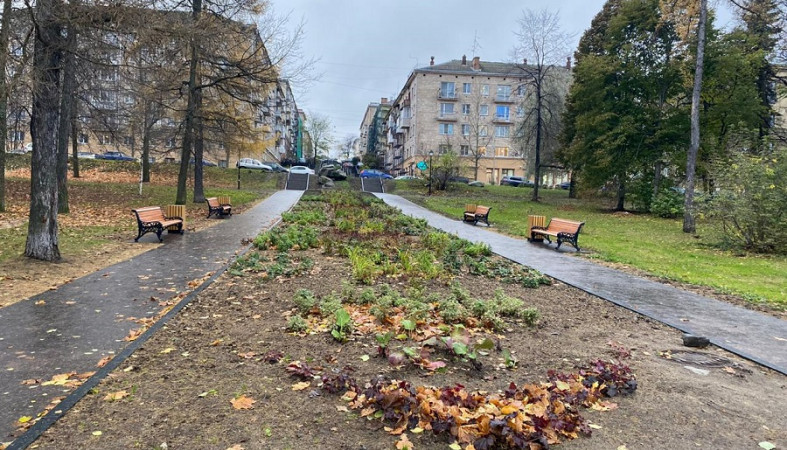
73 327
753 335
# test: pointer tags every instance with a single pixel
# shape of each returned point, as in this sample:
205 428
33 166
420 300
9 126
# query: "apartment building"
374 128
471 107
130 94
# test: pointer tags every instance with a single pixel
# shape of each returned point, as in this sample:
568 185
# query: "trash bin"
175 211
535 221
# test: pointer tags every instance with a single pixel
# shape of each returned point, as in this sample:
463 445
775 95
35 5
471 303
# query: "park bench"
564 230
151 218
217 208
477 213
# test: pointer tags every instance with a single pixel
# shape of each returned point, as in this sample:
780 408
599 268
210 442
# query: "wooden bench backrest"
482 210
564 226
150 214
213 202
470 208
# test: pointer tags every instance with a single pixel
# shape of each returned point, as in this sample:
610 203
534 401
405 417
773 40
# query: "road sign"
422 165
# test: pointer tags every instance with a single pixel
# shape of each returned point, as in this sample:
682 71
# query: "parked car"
406 177
115 156
276 167
86 155
301 169
249 163
205 163
464 180
512 181
565 185
374 173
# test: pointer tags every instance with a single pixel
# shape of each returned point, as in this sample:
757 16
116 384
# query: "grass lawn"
655 245
101 201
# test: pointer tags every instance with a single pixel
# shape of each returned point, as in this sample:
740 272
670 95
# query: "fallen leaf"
730 370
167 350
31 381
247 355
456 446
40 302
417 430
25 419
103 361
767 445
622 447
404 444
97 433
364 358
236 447
216 342
594 426
300 386
342 408
114 396
243 402
779 339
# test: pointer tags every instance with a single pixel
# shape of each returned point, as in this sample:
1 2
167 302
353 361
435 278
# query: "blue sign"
422 165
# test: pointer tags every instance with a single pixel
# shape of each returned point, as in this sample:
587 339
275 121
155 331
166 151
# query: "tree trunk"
66 101
147 124
74 142
621 196
537 164
199 192
572 187
42 239
188 135
4 33
689 225
657 178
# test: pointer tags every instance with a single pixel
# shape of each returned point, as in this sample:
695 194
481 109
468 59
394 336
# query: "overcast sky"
367 49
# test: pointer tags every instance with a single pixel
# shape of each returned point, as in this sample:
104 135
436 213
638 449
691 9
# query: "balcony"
446 95
502 119
447 117
501 98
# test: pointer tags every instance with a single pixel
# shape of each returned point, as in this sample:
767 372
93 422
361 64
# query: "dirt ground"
177 391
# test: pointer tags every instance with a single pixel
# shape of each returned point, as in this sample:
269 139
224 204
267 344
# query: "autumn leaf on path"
60 379
300 386
243 402
103 361
236 447
114 396
134 334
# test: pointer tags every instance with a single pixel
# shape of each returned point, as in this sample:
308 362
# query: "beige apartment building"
471 107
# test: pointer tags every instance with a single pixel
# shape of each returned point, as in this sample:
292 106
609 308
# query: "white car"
249 163
86 155
406 177
301 169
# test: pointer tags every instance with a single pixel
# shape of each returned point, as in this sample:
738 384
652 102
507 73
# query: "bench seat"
477 213
219 209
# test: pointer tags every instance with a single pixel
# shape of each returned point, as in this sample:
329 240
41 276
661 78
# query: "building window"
507 172
502 131
482 131
485 90
521 90
221 145
502 112
446 109
464 150
503 92
467 88
16 136
482 150
171 142
447 89
128 140
442 149
466 109
465 129
483 110
520 111
82 138
501 151
447 129
105 139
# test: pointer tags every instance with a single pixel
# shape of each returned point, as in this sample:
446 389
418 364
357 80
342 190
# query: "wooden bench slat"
217 208
477 213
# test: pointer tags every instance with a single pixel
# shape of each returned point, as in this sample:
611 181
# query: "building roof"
485 67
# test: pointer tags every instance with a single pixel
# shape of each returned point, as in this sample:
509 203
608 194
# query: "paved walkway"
83 321
753 335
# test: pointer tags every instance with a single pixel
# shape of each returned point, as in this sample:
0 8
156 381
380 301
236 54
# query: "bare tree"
475 127
689 225
5 31
320 131
544 46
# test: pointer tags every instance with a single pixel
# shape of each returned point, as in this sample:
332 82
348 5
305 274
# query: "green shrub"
304 300
296 324
478 249
750 202
330 304
667 203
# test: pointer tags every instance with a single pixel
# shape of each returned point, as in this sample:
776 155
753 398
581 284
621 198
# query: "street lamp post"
431 180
